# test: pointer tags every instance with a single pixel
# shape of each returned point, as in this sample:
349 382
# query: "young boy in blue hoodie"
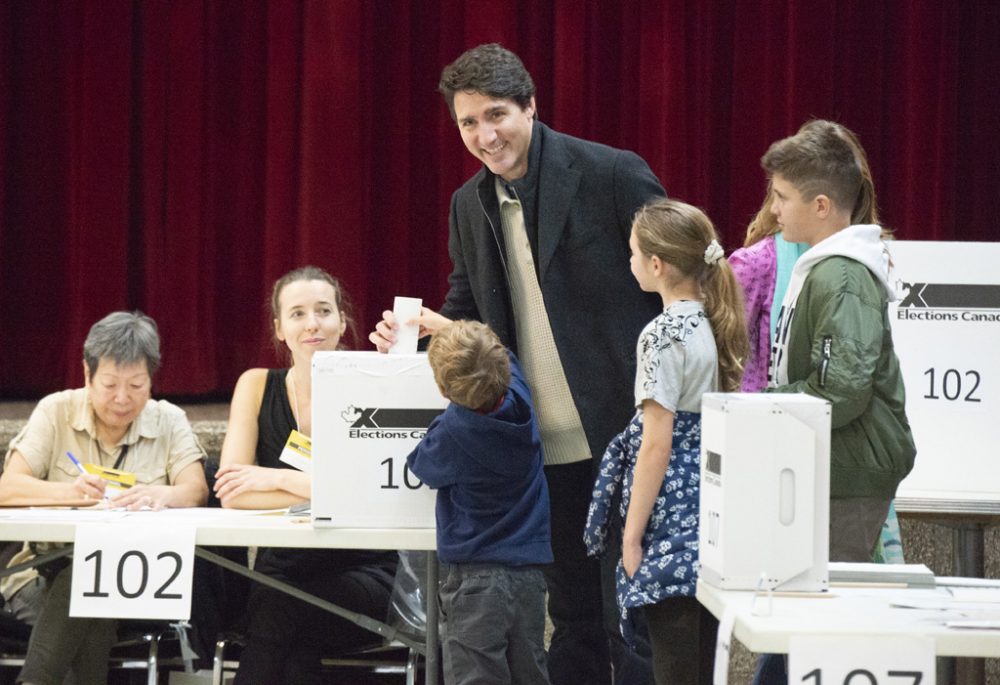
484 456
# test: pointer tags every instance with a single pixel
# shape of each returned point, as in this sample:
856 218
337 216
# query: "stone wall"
210 433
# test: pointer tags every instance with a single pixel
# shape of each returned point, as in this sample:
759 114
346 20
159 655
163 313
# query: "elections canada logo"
382 423
949 302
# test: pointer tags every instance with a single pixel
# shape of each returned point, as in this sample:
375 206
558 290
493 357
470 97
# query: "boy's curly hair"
470 364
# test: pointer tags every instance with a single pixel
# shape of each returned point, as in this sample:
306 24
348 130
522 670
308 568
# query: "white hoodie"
862 243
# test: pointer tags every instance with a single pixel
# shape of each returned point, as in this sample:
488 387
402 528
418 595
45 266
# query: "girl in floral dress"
650 472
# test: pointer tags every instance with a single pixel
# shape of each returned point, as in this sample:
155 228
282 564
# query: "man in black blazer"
539 244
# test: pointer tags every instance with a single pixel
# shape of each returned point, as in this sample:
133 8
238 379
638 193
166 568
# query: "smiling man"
539 243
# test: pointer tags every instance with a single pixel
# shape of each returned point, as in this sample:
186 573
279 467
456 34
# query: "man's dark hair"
489 69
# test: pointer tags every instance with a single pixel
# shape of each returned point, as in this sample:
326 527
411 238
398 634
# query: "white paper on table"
953 581
206 514
987 595
946 605
88 515
405 309
974 625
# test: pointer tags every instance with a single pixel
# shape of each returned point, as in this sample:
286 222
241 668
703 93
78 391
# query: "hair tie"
713 253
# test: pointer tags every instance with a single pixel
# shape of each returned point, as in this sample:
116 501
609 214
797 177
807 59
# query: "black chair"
396 658
13 647
14 634
152 646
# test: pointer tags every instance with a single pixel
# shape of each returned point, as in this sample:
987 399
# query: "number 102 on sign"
132 571
861 660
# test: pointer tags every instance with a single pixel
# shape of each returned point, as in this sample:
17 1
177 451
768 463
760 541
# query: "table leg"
432 666
969 550
969 540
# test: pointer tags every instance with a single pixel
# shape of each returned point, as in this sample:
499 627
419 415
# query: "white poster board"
946 329
861 659
369 411
132 570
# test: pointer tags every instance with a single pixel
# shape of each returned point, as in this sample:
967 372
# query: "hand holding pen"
89 485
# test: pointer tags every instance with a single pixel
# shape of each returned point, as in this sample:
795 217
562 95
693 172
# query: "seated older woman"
111 422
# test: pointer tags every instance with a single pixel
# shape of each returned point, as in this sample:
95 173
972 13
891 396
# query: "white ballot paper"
404 309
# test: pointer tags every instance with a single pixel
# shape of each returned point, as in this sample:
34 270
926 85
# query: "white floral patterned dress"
678 362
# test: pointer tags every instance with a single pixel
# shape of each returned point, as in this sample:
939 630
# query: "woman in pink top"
762 267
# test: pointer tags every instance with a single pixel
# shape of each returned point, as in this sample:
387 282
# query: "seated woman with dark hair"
286 637
113 422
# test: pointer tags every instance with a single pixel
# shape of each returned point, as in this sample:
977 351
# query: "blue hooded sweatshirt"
492 501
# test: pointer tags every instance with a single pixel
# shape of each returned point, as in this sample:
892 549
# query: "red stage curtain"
177 157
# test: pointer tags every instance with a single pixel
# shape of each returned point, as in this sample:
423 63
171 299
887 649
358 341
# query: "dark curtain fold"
177 157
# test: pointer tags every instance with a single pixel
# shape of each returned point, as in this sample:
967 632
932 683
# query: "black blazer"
586 198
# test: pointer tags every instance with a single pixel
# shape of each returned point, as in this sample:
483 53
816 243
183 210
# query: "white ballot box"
765 491
369 411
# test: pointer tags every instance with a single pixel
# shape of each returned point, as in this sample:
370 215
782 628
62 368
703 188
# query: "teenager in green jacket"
833 339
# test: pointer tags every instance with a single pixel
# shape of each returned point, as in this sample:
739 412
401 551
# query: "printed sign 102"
133 571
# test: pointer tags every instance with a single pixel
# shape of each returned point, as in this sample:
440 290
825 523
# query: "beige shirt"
160 443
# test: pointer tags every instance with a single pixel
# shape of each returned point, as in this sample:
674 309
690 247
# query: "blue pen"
79 467
76 463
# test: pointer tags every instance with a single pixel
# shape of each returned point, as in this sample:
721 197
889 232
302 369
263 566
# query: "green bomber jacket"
840 349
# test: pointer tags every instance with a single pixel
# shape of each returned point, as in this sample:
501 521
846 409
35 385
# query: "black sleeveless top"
274 423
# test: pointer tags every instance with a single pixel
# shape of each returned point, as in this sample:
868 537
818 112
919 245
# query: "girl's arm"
650 470
239 483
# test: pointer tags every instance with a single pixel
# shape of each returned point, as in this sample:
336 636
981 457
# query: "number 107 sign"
132 571
861 660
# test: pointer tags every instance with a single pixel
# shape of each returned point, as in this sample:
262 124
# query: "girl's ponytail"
764 224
